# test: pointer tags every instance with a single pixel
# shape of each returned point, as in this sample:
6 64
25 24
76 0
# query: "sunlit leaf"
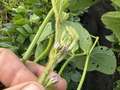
79 32
112 22
117 2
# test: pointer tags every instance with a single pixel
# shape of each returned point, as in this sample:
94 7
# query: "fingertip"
61 85
59 82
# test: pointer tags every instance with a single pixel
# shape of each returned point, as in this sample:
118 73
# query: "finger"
59 83
35 68
12 70
38 70
27 86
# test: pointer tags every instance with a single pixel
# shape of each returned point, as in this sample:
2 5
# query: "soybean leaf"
118 69
82 34
19 20
75 76
30 2
9 28
117 2
20 9
34 18
22 31
27 28
20 39
80 5
65 38
112 38
71 74
8 45
46 32
117 83
112 22
85 39
40 48
102 59
5 39
31 37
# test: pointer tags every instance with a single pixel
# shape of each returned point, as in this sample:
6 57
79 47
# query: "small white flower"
57 45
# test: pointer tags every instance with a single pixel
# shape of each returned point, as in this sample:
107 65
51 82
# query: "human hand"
27 86
16 75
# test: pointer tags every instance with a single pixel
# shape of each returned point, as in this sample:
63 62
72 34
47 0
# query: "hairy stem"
66 63
49 67
45 51
33 43
86 65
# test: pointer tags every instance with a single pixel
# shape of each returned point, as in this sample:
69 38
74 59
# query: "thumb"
33 87
27 86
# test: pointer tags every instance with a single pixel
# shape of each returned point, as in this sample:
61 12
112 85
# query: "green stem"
33 43
53 53
93 36
55 6
49 67
45 74
66 63
86 65
45 51
56 9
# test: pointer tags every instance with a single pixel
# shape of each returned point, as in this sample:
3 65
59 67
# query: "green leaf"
40 48
112 38
65 38
85 39
117 2
117 83
27 28
71 74
34 18
20 39
8 45
102 59
5 39
9 28
20 9
20 20
64 16
80 33
22 31
112 22
46 32
80 5
75 76
118 69
31 37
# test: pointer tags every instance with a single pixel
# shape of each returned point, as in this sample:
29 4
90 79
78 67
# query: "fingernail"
55 78
31 87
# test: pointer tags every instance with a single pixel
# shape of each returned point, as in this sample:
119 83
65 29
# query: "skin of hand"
27 86
17 76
